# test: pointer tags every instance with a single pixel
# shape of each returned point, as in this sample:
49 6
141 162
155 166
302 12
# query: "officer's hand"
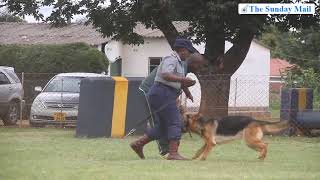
187 82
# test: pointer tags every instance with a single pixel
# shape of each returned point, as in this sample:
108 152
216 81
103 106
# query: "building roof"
157 33
278 66
43 33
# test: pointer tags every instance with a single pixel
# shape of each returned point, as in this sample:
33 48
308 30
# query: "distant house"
277 67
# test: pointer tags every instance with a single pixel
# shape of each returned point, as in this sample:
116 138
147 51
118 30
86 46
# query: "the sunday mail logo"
276 8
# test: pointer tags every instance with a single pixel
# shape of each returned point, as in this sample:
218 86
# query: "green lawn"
47 154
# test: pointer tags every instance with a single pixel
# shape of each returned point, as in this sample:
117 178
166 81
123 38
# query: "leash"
148 117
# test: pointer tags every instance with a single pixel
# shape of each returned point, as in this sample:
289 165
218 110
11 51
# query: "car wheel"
12 115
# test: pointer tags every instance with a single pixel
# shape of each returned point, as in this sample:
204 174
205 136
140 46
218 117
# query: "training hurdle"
111 107
297 106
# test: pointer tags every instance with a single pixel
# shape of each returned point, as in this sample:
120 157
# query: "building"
277 68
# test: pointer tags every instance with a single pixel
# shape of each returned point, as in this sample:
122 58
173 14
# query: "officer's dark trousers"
164 97
163 143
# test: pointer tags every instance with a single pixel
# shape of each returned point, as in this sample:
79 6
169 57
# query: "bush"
77 57
304 78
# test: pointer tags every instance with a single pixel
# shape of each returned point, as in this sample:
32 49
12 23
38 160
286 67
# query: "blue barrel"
294 100
310 120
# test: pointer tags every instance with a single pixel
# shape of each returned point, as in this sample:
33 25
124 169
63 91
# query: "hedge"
78 57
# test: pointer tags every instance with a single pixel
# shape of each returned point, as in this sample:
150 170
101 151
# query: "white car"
58 101
11 94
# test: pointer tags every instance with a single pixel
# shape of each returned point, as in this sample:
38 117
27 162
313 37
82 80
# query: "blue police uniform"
163 95
146 84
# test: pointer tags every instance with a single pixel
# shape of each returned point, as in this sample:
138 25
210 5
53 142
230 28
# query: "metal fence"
249 95
258 97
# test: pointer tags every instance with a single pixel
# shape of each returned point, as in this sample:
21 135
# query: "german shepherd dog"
229 128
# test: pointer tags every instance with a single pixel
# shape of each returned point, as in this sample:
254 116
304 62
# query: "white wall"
135 59
249 86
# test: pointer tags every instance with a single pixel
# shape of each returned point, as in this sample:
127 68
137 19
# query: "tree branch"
166 26
3 5
238 52
215 42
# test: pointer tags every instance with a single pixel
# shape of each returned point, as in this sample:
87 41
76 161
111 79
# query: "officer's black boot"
137 145
173 151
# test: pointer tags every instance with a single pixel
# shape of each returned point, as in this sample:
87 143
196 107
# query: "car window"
12 75
3 79
64 84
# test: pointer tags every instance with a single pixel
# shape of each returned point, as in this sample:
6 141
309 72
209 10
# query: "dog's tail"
273 128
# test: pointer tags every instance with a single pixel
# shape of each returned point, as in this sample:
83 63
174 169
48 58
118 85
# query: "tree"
297 77
6 17
301 47
77 57
211 21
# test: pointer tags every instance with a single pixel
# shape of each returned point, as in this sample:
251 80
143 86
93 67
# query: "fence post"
61 102
21 102
235 94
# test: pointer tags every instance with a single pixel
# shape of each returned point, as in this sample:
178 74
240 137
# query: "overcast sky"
46 11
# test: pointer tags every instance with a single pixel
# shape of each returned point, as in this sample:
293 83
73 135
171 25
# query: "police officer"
192 64
170 79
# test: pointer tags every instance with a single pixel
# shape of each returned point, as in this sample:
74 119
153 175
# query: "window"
153 63
4 79
64 84
12 75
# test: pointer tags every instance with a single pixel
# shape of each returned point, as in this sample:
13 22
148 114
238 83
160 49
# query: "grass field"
46 154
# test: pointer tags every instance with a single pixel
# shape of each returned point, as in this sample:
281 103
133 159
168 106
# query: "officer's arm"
167 70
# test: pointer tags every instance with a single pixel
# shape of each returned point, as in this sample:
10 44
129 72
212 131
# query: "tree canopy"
301 47
6 17
78 57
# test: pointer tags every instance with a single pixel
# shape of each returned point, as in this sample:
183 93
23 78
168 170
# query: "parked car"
57 103
11 94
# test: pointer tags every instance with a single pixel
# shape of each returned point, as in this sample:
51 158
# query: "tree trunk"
214 95
215 86
166 26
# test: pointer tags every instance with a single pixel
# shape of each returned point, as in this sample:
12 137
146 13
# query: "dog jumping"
229 128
